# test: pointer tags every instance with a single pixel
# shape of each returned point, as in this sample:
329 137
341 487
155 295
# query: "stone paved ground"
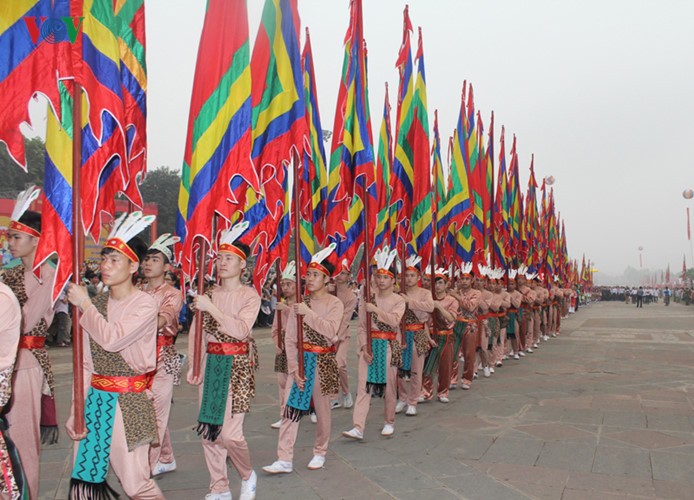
605 411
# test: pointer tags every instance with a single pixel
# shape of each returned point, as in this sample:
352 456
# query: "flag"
56 211
422 219
278 123
314 187
402 180
352 174
530 220
29 63
500 223
515 206
384 163
133 71
217 156
489 191
440 187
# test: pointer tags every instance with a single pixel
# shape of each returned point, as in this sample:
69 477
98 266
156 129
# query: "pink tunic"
349 302
10 320
421 303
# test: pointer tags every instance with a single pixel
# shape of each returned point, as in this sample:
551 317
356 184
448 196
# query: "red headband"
385 272
318 267
412 268
23 228
228 248
122 247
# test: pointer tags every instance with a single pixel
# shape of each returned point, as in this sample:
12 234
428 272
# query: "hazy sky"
600 91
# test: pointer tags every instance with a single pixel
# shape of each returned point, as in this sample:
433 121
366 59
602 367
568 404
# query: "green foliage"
161 187
14 179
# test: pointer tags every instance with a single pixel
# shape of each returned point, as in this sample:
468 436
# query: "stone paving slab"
606 410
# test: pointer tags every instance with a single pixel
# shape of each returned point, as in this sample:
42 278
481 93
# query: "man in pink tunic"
230 312
12 481
420 305
288 288
468 300
349 301
120 355
33 378
321 315
386 309
169 302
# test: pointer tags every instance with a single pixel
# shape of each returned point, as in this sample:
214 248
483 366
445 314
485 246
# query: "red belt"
512 310
465 320
444 332
498 314
31 342
414 327
122 384
164 340
482 317
318 349
227 348
383 335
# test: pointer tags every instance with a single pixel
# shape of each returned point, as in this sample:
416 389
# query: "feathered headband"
441 273
229 237
289 272
466 269
317 260
384 258
512 274
124 229
163 243
24 201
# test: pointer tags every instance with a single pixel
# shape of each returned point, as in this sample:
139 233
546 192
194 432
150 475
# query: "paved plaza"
605 411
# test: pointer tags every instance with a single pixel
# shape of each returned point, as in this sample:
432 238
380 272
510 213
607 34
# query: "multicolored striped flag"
133 71
488 188
515 207
33 51
530 222
352 174
56 210
384 162
500 223
440 190
422 218
279 125
217 159
314 174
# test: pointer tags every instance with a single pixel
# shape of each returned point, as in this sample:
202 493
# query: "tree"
161 187
14 179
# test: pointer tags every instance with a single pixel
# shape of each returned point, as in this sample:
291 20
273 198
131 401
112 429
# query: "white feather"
512 274
24 201
289 272
466 268
319 257
229 236
163 243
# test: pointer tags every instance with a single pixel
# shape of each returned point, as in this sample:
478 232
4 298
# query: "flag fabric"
217 163
422 218
314 174
32 53
133 71
478 188
402 180
515 207
384 162
56 211
352 175
440 189
279 125
530 220
500 223
489 192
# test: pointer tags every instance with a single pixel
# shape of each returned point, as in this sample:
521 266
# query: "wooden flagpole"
77 259
278 315
297 256
367 269
197 347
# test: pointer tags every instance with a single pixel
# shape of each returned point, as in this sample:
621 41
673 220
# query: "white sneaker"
517 355
162 468
521 354
353 433
499 363
347 401
248 486
314 418
529 350
411 411
388 430
335 404
453 387
465 386
545 338
278 467
536 345
421 399
276 425
317 462
506 357
487 373
399 406
444 399
218 496
491 370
